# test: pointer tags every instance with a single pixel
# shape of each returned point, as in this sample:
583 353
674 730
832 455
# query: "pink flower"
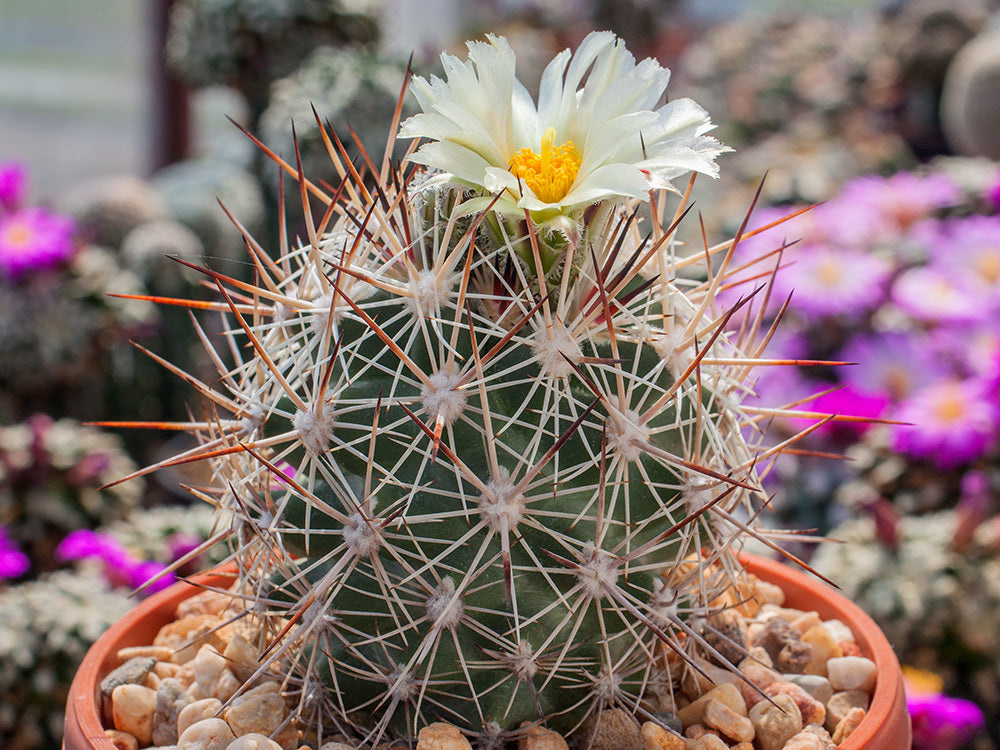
890 365
943 723
949 422
120 567
13 562
971 247
936 295
828 281
34 239
12 185
899 201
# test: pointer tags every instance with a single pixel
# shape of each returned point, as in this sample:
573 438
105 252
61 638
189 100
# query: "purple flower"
993 193
120 567
146 570
890 365
829 281
975 349
34 239
943 723
949 422
938 295
971 246
13 562
899 201
12 185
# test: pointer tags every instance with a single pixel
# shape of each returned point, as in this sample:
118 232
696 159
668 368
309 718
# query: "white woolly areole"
402 684
596 572
697 492
669 345
430 292
607 686
442 397
552 347
664 602
315 427
359 536
320 315
444 608
252 421
523 662
500 507
627 435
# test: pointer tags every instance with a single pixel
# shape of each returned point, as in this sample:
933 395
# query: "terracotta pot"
886 727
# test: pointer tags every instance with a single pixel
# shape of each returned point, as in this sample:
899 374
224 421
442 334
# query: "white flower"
589 138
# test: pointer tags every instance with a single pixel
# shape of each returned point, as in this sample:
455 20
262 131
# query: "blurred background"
117 143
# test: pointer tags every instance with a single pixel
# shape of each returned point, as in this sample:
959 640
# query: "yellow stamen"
951 407
549 174
18 235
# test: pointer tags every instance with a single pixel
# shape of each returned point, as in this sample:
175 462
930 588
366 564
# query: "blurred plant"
244 44
50 472
13 562
902 276
932 583
46 626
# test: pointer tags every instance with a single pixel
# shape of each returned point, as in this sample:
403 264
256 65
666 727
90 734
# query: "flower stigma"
549 174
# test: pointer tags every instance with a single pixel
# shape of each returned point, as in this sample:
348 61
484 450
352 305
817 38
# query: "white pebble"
132 709
851 673
253 741
194 712
839 631
207 734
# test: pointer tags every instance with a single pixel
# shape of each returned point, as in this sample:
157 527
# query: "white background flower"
480 117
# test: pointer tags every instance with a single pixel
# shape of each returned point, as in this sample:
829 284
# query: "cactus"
519 466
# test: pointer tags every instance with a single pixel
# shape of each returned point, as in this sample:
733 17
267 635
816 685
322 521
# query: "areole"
886 726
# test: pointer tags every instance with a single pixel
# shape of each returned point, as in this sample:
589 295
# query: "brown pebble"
775 722
171 698
841 704
848 724
261 713
614 729
540 738
441 736
728 693
727 634
709 742
132 708
697 731
721 717
823 649
811 710
160 653
655 737
850 648
121 740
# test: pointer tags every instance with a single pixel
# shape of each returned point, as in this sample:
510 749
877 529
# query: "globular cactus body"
517 475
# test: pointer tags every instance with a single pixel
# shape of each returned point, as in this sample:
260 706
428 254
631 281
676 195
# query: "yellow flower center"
950 407
18 235
988 265
549 174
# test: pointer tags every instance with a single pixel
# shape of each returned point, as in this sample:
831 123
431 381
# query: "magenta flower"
971 246
34 239
120 567
890 365
950 422
12 185
849 402
829 281
13 562
943 723
974 349
993 193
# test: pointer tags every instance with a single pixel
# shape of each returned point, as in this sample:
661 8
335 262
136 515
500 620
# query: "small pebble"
540 738
709 742
253 741
121 740
193 712
775 723
811 710
839 631
852 673
441 736
840 704
720 716
171 698
614 729
848 724
336 746
727 693
727 634
207 734
823 648
132 672
132 710
260 713
804 741
655 737
817 686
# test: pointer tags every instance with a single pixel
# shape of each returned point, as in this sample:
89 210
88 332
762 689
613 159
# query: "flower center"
950 408
18 235
551 173
988 265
